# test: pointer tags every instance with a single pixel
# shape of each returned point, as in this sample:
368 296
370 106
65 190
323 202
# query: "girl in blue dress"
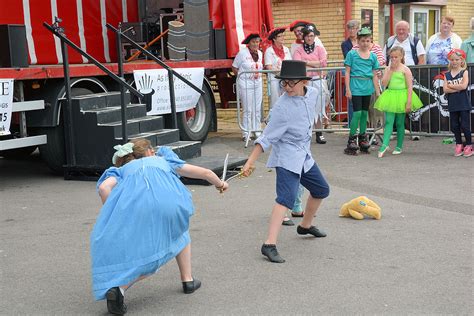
144 221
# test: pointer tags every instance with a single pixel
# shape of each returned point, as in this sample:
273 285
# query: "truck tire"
195 124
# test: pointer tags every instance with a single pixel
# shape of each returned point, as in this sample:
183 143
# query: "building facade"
329 16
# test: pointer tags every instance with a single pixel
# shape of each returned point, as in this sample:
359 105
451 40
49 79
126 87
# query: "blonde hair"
450 19
140 148
463 62
398 49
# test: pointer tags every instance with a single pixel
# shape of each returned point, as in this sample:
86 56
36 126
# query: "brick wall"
461 11
327 15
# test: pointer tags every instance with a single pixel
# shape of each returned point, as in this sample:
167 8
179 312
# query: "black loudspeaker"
220 45
14 51
212 46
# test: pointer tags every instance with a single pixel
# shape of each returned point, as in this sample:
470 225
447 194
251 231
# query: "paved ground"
417 259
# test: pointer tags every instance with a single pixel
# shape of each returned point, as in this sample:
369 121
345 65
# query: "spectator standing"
353 27
413 47
441 43
250 58
274 55
296 28
468 45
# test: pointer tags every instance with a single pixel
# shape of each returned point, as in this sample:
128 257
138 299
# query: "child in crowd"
455 87
397 99
289 134
361 78
144 220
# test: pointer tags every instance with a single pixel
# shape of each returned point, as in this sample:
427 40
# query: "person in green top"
468 45
361 79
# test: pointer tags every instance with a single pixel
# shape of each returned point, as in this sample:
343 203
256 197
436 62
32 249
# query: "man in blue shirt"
289 134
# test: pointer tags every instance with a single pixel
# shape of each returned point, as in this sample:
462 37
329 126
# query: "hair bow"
122 150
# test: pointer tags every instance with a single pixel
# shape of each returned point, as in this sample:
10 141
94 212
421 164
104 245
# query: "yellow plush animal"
360 206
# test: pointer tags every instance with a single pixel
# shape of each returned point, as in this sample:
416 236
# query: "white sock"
122 291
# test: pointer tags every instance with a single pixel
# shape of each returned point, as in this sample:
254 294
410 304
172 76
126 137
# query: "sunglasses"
291 83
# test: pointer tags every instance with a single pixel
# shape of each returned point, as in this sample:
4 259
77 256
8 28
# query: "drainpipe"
392 13
347 15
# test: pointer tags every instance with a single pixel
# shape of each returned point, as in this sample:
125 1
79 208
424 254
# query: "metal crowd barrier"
431 120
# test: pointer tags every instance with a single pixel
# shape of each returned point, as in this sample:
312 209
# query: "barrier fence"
430 120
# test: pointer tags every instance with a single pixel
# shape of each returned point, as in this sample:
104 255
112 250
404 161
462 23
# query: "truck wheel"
195 124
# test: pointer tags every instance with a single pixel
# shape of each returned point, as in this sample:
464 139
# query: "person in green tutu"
397 99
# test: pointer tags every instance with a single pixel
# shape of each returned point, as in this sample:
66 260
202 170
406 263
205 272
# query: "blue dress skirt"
143 224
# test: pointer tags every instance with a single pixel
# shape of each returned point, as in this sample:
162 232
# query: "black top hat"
273 33
250 37
293 70
310 28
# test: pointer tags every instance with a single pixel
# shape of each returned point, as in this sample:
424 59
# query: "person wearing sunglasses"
288 134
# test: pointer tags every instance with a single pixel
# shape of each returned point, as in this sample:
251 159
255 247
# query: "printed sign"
157 79
6 105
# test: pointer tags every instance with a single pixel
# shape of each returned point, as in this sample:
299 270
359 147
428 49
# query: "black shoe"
115 303
191 286
312 230
288 222
320 138
272 253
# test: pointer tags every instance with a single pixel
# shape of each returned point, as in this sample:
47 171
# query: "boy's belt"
361 78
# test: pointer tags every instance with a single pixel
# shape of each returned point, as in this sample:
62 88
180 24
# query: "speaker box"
212 46
14 51
220 45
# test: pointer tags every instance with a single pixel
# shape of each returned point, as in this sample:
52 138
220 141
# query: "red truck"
35 64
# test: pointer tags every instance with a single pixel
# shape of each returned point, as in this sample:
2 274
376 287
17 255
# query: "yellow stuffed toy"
360 206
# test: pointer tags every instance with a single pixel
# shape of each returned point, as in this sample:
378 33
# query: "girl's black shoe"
115 303
191 286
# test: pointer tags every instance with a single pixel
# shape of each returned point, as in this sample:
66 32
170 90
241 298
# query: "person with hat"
315 56
296 28
361 82
274 55
289 135
250 58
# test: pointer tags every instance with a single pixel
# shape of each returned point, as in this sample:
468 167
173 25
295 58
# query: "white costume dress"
271 59
250 89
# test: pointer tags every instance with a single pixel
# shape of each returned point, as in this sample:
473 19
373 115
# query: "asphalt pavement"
417 259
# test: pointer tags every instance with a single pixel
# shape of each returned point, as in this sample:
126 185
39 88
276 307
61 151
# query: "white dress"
250 89
271 59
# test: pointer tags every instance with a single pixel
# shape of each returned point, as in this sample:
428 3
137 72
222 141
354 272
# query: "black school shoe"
115 303
271 252
312 231
191 286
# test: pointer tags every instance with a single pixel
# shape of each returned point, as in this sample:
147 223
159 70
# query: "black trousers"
460 121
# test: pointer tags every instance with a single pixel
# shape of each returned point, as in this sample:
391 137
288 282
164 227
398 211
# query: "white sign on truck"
6 105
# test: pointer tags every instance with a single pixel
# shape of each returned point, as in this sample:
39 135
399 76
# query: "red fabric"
256 18
11 12
40 11
279 51
215 13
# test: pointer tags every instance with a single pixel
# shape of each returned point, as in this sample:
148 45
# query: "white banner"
6 105
157 79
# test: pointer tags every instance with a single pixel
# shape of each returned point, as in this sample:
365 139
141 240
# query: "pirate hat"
293 70
298 23
250 37
274 32
310 28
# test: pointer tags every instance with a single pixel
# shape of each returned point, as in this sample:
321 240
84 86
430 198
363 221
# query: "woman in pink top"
315 56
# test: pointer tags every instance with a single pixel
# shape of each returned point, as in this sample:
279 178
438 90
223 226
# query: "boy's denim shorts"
287 185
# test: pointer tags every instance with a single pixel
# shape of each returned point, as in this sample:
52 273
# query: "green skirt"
395 101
